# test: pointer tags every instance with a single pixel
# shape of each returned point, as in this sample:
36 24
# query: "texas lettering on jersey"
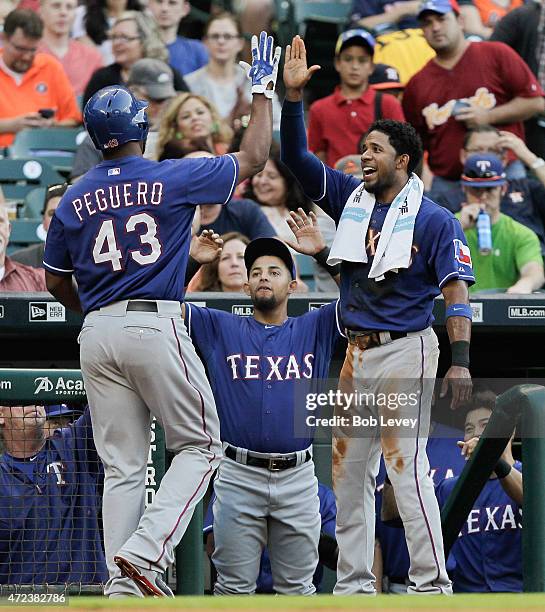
438 115
258 367
505 517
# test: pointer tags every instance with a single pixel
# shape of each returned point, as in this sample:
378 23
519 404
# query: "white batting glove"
264 68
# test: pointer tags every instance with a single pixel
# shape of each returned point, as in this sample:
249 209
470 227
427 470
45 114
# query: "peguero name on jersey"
123 195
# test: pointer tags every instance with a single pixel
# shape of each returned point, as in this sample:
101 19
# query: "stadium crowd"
468 75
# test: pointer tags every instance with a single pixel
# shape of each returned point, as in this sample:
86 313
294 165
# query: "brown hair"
209 272
224 15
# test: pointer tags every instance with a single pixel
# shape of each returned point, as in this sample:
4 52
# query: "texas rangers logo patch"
462 253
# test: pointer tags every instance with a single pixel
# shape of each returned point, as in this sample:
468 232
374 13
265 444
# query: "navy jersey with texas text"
403 301
258 373
49 504
123 230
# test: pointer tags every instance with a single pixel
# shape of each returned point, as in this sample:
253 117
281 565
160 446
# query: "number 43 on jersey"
106 250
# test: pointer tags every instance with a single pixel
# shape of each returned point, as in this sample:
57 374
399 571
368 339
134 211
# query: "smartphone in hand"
47 113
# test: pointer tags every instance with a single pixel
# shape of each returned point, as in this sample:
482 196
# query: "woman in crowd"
93 21
191 119
133 37
228 273
223 81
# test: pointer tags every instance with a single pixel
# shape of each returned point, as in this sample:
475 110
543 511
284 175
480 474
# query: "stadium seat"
57 146
34 203
23 233
18 177
305 270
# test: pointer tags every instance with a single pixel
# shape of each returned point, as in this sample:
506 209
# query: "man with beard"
397 251
261 368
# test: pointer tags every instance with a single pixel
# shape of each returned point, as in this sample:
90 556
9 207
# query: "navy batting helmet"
113 116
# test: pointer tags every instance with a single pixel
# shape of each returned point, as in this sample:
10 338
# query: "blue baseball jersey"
124 229
328 514
446 461
49 504
260 374
488 551
403 301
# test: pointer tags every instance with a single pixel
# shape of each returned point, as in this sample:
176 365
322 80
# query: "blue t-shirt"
124 229
49 504
244 216
488 551
328 514
369 8
445 461
260 374
187 54
403 301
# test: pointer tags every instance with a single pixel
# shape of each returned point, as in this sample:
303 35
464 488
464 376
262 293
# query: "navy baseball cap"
385 77
483 170
56 410
268 246
358 36
438 6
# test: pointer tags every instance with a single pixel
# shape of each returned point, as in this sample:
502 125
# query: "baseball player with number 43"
123 232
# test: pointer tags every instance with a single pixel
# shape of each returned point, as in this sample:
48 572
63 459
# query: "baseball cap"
268 246
483 170
56 410
438 6
385 77
155 76
350 164
356 36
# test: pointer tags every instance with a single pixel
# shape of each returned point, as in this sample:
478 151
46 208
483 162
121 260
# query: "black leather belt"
274 464
141 306
369 339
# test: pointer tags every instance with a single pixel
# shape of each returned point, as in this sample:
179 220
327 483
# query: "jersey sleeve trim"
465 277
338 318
57 269
325 184
188 318
235 177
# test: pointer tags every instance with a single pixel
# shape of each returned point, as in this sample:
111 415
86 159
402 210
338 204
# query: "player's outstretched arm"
458 377
256 143
64 289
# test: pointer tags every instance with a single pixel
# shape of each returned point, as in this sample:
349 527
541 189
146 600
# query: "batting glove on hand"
264 68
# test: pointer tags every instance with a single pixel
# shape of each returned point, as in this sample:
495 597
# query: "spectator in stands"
59 416
524 31
185 54
524 199
382 16
514 263
49 503
78 60
191 117
481 16
151 80
496 515
94 18
6 6
33 255
327 547
31 81
386 78
134 36
338 122
15 276
223 81
226 273
466 85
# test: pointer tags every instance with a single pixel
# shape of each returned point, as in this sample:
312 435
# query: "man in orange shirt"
31 82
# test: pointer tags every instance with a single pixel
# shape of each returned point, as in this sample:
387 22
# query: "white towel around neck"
391 255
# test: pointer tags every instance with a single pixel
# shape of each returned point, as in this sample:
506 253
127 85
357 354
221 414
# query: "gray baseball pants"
404 366
254 508
137 365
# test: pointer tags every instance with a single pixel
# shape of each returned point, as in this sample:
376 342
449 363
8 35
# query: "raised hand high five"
296 72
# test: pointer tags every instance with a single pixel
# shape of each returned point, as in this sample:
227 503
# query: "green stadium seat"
34 203
57 146
305 269
18 177
23 233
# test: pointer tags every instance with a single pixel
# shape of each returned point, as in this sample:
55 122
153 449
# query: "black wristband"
321 258
502 469
460 353
192 268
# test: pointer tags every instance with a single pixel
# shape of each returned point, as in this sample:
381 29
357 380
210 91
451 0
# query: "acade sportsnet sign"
61 386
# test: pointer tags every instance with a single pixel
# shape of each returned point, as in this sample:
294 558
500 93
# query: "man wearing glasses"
34 89
33 255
